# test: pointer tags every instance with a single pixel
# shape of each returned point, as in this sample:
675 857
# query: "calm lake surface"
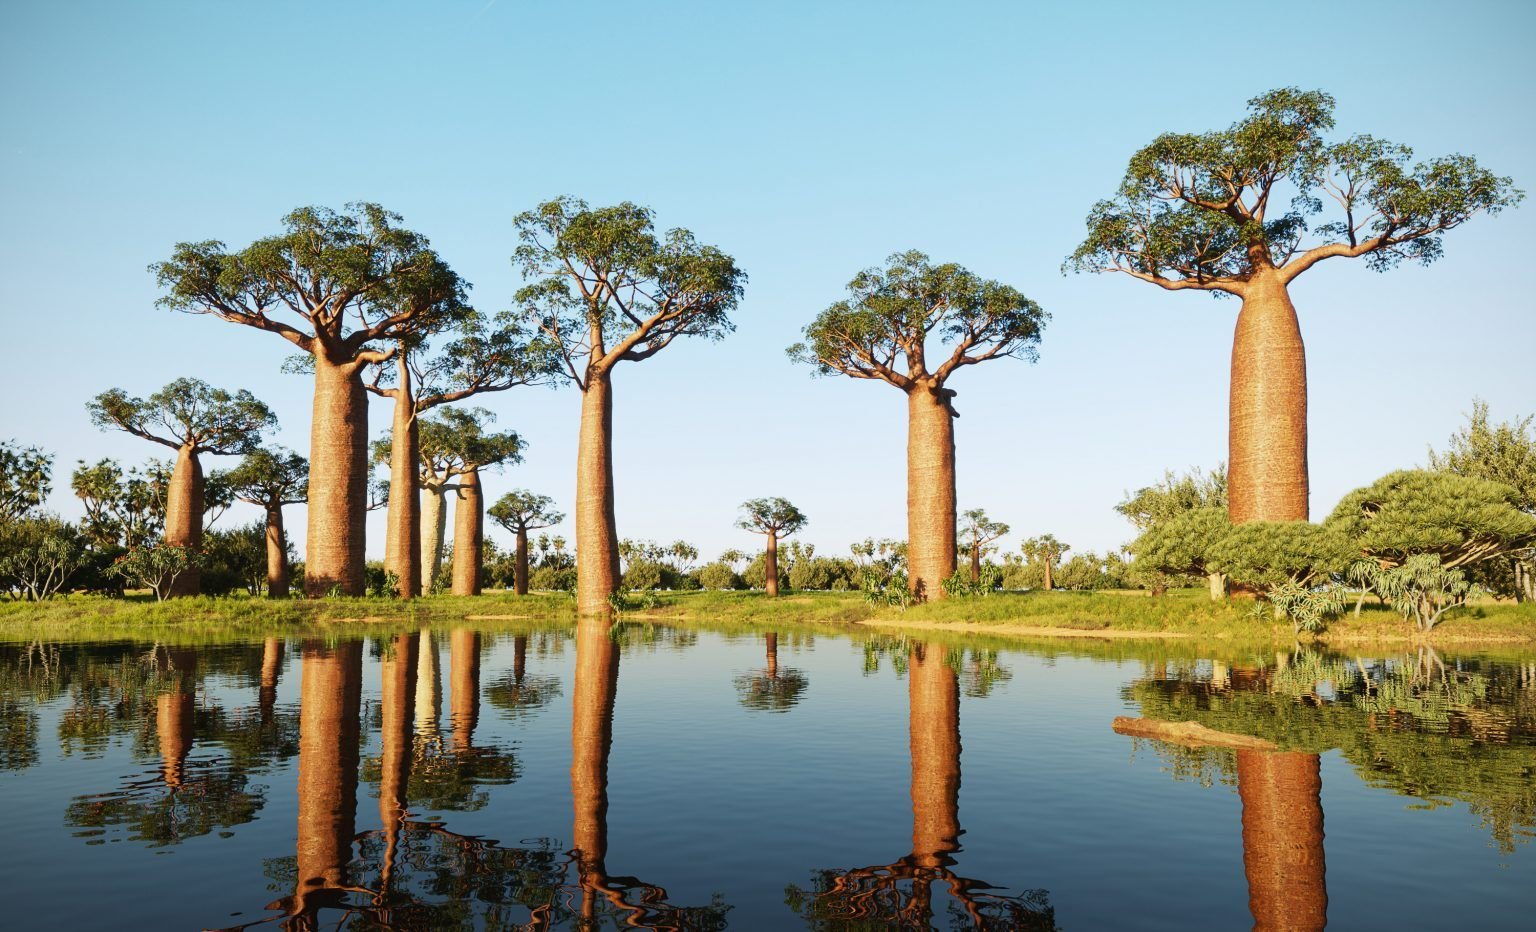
680 779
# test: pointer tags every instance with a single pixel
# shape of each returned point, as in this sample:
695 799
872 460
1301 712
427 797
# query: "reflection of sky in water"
709 795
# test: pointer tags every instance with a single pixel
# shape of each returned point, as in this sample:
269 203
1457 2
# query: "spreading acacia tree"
1241 212
344 287
775 518
886 329
193 418
979 531
457 442
270 479
520 511
604 288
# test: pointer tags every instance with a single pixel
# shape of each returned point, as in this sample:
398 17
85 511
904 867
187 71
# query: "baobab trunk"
176 716
468 535
1218 584
397 673
434 522
772 644
338 481
464 683
930 489
271 672
429 692
184 516
1283 839
771 565
1267 443
1050 575
934 725
329 722
597 532
592 701
277 554
975 562
520 563
402 546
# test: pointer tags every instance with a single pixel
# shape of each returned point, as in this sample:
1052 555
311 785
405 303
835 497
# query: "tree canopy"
1275 553
522 510
187 413
979 529
1204 210
771 516
483 355
1180 544
456 441
1174 495
1460 519
1503 453
26 475
268 477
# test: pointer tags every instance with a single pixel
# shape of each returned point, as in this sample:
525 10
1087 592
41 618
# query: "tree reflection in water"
773 688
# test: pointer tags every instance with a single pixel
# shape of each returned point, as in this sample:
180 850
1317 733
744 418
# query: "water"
663 778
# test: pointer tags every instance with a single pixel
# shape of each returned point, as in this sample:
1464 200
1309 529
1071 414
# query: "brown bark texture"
771 640
1283 839
592 702
464 684
434 524
429 690
930 490
338 481
934 725
397 672
520 563
771 565
597 533
329 723
277 554
176 716
468 534
271 672
402 546
975 562
1267 440
184 515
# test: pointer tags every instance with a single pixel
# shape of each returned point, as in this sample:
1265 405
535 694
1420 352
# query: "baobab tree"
193 418
456 443
775 518
270 479
979 531
484 356
885 326
355 283
1198 211
605 289
519 512
1047 551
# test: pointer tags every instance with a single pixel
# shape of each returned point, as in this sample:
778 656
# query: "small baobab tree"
353 284
193 418
606 289
519 512
1046 551
774 518
979 531
270 479
1202 211
458 441
885 329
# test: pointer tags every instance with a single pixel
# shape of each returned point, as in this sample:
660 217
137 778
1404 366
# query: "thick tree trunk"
520 563
1267 440
468 535
271 672
1283 839
934 726
772 639
771 566
184 515
176 716
596 687
519 658
1218 585
429 687
464 686
975 562
338 482
597 533
329 723
930 490
277 554
434 523
397 672
402 546
1050 572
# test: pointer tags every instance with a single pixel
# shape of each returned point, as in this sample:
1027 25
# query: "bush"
155 567
38 556
550 579
719 575
235 559
1268 554
822 573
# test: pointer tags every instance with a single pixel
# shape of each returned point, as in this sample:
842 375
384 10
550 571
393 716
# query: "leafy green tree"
976 532
458 442
193 418
234 559
1045 552
341 286
1499 453
1269 554
775 518
1461 520
519 512
270 479
1174 495
1181 544
883 330
605 289
1203 211
38 555
122 509
1424 589
156 567
720 575
25 479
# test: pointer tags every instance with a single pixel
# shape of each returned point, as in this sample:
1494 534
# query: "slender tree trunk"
1283 839
1218 585
329 724
772 639
468 535
771 566
277 554
1267 442
519 658
338 481
184 515
397 672
429 687
597 533
434 524
1050 575
464 686
520 563
975 562
271 672
934 726
930 490
402 547
592 701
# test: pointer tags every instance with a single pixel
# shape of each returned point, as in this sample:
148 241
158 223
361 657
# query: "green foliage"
187 413
1088 571
1268 554
642 574
720 575
771 516
521 510
1308 608
959 583
1176 494
235 559
552 579
122 509
455 441
1181 542
1194 210
25 479
1459 519
1423 590
881 588
976 531
1503 453
813 573
756 573
270 478
38 556
155 567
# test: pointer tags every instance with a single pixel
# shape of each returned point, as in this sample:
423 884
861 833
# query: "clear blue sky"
808 140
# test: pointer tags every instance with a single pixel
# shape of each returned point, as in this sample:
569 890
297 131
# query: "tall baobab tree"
484 356
354 283
606 289
519 512
979 531
270 479
193 418
774 518
1200 211
885 329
